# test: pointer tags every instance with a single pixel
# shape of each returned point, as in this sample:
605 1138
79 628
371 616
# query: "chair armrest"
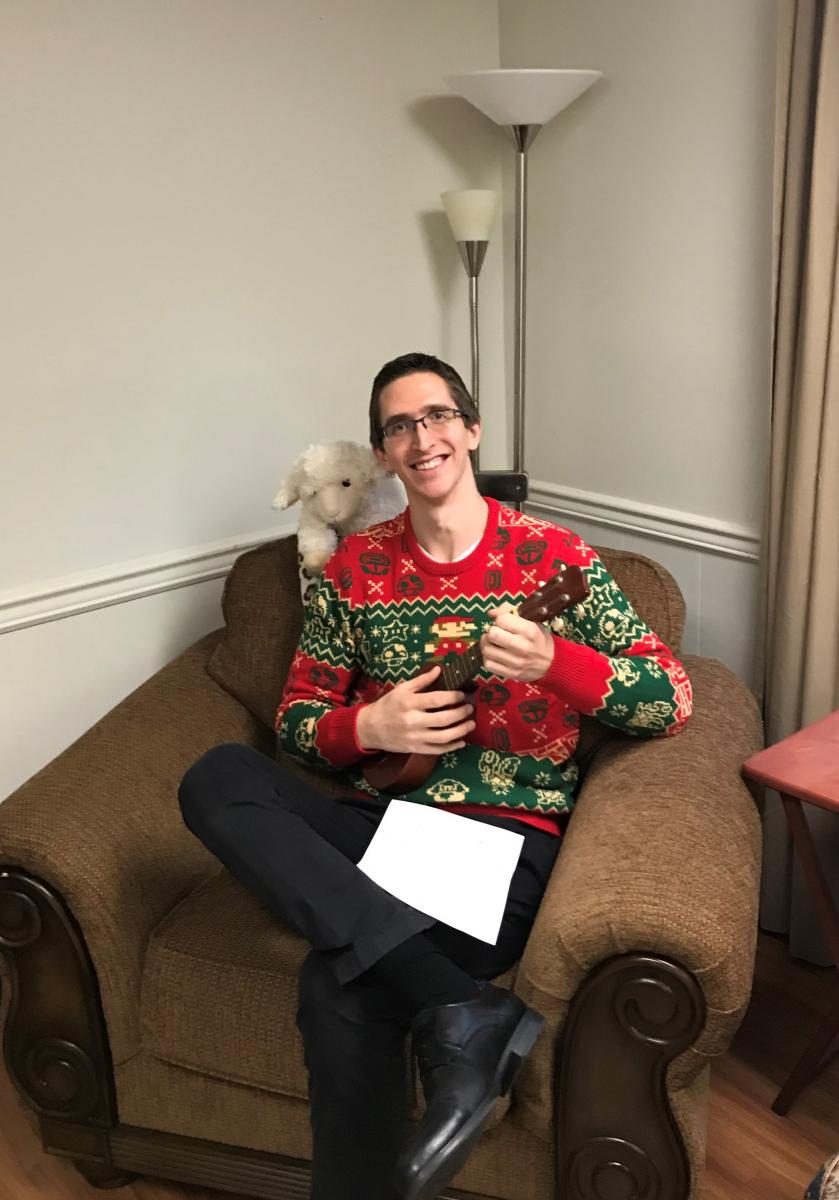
100 824
662 856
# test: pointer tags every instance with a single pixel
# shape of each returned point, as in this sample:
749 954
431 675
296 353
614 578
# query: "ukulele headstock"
562 590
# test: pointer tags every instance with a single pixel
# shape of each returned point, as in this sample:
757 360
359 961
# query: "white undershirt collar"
465 553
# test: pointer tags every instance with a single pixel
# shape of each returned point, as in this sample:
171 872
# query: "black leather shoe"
468 1056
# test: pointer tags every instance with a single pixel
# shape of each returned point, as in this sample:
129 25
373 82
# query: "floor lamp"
524 101
471 214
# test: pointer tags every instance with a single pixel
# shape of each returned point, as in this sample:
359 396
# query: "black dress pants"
296 850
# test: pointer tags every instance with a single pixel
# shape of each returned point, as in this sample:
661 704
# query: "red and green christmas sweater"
383 607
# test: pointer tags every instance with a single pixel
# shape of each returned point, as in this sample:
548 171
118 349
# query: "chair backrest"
263 616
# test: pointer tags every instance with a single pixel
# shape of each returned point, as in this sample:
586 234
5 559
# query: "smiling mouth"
429 464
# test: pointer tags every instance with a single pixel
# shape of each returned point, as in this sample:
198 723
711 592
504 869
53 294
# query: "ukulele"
398 773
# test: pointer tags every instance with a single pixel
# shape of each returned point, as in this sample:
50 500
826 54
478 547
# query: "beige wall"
650 232
649 289
215 222
220 217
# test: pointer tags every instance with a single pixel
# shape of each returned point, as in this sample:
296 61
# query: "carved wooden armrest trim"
55 1042
615 1128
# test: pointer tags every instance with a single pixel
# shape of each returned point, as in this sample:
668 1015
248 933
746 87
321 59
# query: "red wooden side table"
805 768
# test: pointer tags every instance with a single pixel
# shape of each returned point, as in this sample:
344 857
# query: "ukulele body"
398 773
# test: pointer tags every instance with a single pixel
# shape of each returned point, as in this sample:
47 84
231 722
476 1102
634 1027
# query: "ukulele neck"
457 671
565 588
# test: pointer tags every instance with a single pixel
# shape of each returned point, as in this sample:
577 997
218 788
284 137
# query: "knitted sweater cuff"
579 675
337 736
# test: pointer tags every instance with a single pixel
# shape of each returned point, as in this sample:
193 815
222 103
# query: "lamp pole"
523 136
523 100
473 253
471 213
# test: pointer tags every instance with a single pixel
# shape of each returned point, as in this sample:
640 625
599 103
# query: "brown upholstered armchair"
152 1018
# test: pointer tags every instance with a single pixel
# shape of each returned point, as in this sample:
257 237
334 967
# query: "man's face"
430 461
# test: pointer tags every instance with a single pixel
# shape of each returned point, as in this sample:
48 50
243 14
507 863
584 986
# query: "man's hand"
404 720
514 648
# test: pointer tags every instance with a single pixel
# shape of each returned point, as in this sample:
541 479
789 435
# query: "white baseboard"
630 516
73 594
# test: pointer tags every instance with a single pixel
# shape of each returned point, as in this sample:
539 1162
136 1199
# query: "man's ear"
376 469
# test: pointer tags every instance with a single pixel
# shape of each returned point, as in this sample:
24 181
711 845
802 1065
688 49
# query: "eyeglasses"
404 427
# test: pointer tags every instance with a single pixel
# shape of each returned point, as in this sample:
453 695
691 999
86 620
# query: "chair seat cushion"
219 993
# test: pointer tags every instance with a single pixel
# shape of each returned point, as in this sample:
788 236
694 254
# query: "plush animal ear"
285 497
289 490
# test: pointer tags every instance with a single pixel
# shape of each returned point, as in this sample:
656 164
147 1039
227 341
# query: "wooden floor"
752 1154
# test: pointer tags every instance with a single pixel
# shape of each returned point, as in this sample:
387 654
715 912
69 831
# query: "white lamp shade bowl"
471 213
522 96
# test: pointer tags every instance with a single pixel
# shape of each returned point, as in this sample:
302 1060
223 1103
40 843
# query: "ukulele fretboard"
457 671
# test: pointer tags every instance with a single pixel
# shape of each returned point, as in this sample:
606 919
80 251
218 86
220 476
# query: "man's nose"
422 436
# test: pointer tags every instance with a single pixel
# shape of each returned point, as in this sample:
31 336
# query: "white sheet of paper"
455 870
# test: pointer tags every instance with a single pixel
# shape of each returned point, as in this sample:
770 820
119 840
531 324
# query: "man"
447 572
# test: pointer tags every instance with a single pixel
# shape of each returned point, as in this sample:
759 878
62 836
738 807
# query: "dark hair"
412 364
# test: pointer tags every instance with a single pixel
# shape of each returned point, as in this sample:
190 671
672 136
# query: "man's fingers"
451 733
446 718
496 636
422 681
441 748
511 620
499 663
427 701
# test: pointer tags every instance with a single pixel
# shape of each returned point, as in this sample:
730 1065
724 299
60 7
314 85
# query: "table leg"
809 1065
813 1057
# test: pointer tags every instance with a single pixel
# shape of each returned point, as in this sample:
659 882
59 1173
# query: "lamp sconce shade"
522 97
471 213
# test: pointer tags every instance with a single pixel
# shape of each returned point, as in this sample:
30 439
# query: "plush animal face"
331 479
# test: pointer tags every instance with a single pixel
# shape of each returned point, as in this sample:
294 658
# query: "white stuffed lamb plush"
342 489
